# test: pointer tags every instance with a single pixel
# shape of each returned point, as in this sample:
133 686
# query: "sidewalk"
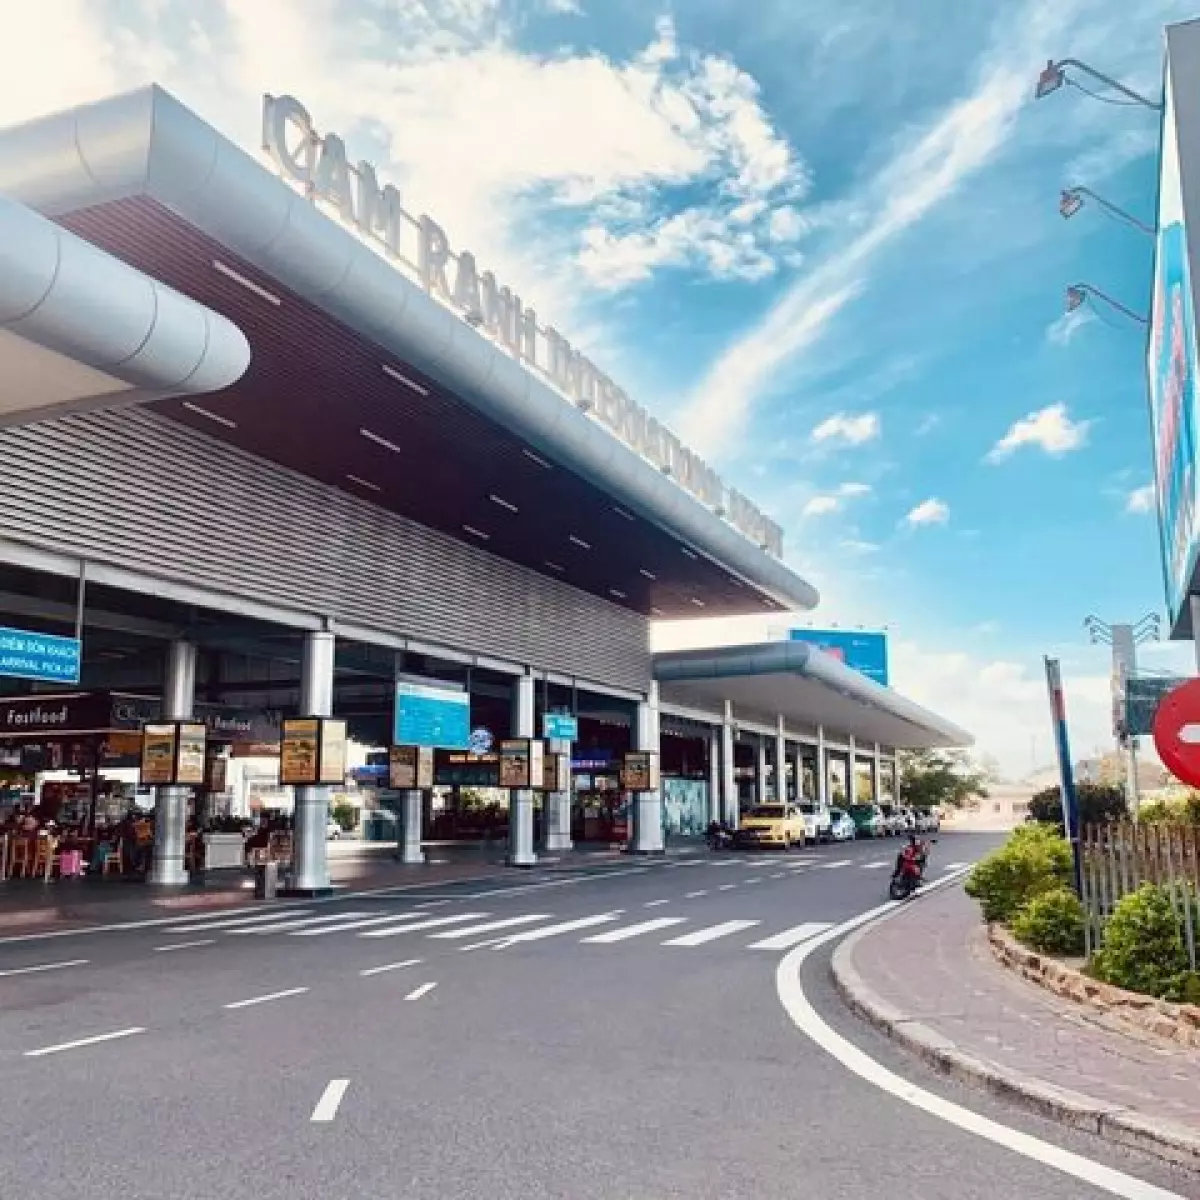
928 978
28 906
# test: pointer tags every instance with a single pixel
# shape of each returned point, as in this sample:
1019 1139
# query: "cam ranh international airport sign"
319 165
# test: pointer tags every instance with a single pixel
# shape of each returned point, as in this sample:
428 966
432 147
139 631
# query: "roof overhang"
144 148
806 688
81 330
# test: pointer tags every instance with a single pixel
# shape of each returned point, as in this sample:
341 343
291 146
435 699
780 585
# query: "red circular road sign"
1177 732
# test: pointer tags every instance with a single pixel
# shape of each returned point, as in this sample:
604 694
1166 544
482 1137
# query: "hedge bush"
1052 923
1035 860
1144 948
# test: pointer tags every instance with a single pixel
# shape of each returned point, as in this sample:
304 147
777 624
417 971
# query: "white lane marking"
833 866
655 903
432 923
955 866
695 895
778 874
408 962
423 990
553 883
287 926
234 922
875 866
488 926
331 1097
185 945
55 966
752 882
711 933
727 887
790 988
431 903
365 923
632 931
87 1041
791 937
267 998
549 931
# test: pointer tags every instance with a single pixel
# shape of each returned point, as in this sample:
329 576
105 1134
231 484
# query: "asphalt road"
543 1065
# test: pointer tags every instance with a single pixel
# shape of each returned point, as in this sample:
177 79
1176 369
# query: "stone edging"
1123 1126
1127 1012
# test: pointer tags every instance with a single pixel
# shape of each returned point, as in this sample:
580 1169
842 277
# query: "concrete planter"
224 850
1126 1012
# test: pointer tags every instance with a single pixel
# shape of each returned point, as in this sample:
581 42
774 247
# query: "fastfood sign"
320 166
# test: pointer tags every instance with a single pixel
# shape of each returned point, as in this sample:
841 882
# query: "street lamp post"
1071 201
1055 76
1079 293
1124 640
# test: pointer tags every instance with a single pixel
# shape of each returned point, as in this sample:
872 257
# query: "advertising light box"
860 651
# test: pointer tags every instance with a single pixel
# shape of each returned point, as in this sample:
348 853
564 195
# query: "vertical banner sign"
299 751
189 754
521 763
1070 802
639 771
410 768
158 755
173 754
333 751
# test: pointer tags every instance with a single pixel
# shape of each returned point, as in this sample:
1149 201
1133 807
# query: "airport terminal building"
273 445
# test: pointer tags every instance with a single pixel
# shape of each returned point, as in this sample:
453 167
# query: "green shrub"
1144 948
1052 923
1098 804
1185 988
1176 810
346 815
1033 861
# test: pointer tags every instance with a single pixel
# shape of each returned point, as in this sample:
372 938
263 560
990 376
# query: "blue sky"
822 238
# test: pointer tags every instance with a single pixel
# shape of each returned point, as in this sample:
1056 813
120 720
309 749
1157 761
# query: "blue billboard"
40 656
1171 370
560 727
862 652
431 716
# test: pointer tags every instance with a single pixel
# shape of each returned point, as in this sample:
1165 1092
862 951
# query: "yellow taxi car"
775 826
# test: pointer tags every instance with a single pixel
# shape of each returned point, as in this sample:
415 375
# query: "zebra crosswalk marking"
632 931
489 926
791 937
549 931
230 922
711 933
414 926
365 923
298 923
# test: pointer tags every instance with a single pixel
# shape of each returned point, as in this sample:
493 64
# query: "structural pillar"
822 771
170 805
412 804
760 771
729 791
310 857
716 811
851 771
648 811
781 795
520 801
556 817
876 777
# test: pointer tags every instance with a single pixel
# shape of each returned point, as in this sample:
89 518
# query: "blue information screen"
431 716
41 656
863 652
560 727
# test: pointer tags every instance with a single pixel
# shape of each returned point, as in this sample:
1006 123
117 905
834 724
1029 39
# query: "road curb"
1126 1127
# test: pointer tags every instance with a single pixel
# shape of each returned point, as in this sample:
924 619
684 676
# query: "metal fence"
1118 858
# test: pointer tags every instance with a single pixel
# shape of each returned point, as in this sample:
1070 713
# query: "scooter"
910 871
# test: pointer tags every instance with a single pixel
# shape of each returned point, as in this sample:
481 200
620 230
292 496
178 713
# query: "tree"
939 778
1099 803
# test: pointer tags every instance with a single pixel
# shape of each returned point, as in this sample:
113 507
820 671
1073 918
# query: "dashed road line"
87 1041
185 945
423 990
267 998
727 887
367 972
41 967
330 1099
695 895
655 903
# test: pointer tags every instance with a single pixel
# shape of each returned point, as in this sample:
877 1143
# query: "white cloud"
1062 332
844 428
929 512
922 174
927 424
787 224
1141 500
1051 429
822 505
858 547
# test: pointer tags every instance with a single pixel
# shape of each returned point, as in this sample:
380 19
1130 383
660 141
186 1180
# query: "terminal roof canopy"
808 688
360 379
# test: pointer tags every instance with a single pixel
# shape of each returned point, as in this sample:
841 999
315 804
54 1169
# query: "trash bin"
266 880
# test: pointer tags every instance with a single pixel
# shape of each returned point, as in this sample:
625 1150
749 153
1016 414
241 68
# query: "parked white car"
818 824
841 825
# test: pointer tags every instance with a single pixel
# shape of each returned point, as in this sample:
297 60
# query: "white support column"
822 770
520 802
876 777
780 762
760 769
648 813
411 813
310 863
729 791
556 807
170 805
715 811
851 771
798 772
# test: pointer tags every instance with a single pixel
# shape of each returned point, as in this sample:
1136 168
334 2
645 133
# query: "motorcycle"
719 837
910 871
